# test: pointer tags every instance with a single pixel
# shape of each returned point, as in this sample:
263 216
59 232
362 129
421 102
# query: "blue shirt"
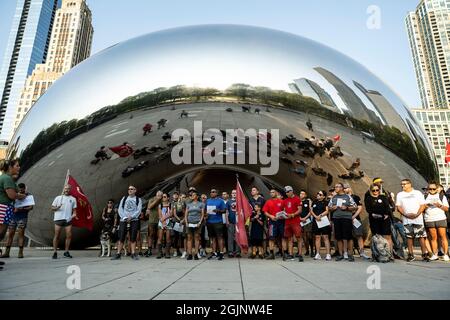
217 203
231 208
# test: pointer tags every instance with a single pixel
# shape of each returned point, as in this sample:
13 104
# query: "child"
256 232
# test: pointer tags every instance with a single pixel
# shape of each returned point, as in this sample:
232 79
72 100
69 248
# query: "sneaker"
20 255
183 255
434 257
252 256
135 257
202 253
284 256
364 256
339 258
196 256
351 258
317 257
140 253
345 255
297 255
212 256
440 253
55 255
270 257
148 253
220 256
425 258
189 257
446 258
290 257
230 255
116 257
261 256
2 263
167 256
67 255
312 254
300 258
159 256
175 254
410 258
335 254
328 257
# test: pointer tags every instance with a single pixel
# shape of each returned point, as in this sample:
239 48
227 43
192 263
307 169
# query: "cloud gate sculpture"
224 77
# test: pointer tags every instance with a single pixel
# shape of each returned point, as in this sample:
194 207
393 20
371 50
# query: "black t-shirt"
358 202
305 207
319 207
259 201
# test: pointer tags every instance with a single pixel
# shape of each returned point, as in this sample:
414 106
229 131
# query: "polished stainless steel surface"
107 99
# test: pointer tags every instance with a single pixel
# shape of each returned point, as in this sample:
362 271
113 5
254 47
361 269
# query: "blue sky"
338 24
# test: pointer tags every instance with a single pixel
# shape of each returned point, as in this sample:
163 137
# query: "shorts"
6 213
380 226
193 231
63 223
215 230
358 232
325 231
343 229
16 223
414 231
436 224
256 242
292 229
276 229
133 229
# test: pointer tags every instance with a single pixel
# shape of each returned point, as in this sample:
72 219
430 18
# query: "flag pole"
66 180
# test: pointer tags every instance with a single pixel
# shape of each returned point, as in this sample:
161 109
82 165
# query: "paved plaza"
39 277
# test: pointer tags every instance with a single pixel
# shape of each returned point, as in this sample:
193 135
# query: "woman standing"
193 218
257 232
8 193
379 210
436 221
319 210
164 225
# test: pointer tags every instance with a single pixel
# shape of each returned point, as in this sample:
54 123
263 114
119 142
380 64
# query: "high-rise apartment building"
28 45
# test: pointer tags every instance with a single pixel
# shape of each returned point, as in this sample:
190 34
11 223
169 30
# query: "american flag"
6 212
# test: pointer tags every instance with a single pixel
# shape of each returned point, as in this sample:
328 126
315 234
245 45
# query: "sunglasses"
131 189
375 190
432 189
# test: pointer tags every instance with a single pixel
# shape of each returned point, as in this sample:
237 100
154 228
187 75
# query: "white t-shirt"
434 213
65 212
410 202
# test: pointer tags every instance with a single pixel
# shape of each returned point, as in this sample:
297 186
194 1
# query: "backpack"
380 249
124 199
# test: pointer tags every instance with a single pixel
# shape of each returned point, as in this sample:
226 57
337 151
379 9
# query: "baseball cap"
346 185
377 180
288 188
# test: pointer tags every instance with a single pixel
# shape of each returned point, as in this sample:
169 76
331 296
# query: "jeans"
232 245
398 227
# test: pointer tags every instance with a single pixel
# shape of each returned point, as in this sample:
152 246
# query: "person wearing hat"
292 206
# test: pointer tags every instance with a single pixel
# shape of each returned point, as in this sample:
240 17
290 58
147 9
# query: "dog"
105 241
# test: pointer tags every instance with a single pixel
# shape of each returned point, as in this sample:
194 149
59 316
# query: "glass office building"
27 46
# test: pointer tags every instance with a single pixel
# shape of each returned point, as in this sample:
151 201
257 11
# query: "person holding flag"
243 212
64 208
447 151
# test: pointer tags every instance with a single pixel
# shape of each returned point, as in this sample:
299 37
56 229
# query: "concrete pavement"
39 277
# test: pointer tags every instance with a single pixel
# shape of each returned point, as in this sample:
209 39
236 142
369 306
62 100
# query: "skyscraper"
429 37
27 46
70 43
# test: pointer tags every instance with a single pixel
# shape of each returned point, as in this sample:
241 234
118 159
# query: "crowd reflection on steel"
210 71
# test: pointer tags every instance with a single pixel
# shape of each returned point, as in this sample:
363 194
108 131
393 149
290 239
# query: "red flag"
123 151
85 218
337 138
243 212
447 151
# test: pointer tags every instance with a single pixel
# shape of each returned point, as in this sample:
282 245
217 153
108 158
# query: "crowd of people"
286 225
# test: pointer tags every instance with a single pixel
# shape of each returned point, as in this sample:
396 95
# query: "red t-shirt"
273 206
291 206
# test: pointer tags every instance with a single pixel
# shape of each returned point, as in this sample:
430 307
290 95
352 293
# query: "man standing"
342 206
153 219
292 206
276 226
215 207
129 211
64 208
411 205
19 220
233 248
